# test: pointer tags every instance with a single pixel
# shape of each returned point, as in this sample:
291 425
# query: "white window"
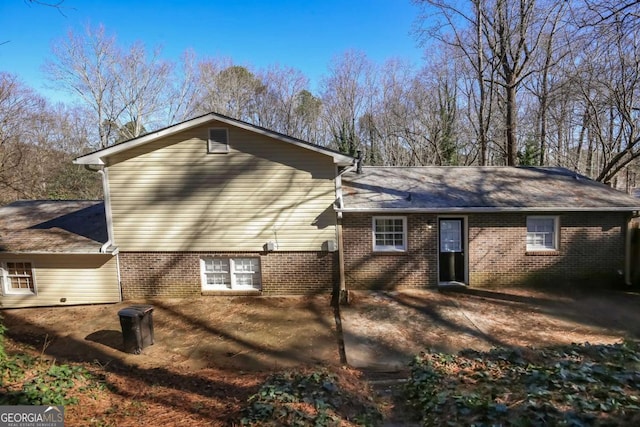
542 233
18 278
390 233
218 140
230 273
450 235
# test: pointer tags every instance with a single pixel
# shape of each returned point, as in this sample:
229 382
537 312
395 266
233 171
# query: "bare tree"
464 30
344 98
37 143
230 89
389 126
499 38
84 66
139 86
180 96
279 104
127 90
548 78
307 112
609 80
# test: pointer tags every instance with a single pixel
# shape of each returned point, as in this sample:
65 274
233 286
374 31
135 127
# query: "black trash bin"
137 327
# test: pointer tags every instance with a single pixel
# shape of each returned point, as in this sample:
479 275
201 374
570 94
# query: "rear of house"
218 206
483 227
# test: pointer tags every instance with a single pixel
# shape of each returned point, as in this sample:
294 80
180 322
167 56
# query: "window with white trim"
542 233
218 140
389 233
221 273
18 278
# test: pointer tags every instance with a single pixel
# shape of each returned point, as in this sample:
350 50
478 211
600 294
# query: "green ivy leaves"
574 385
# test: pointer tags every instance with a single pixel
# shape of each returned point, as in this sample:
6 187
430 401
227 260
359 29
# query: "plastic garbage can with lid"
137 327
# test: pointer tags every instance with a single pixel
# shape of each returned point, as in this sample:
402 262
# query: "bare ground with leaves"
385 330
212 354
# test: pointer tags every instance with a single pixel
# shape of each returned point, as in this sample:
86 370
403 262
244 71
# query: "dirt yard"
384 330
211 353
240 333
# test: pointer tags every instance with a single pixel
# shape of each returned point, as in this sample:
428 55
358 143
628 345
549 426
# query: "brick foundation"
177 274
591 252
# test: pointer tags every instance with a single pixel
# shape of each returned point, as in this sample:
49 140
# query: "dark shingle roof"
52 226
469 188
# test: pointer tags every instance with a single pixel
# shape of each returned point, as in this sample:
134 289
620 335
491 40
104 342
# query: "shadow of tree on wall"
577 290
591 253
208 199
194 210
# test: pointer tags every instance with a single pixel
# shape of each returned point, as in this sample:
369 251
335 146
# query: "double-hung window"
542 233
221 273
18 278
389 234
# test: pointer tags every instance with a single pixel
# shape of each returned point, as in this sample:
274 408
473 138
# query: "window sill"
550 252
233 292
375 252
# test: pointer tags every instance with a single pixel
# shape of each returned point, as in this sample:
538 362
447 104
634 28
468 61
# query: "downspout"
107 209
342 297
107 213
118 277
342 281
627 252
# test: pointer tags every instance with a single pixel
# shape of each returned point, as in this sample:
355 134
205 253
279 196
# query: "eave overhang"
462 210
97 158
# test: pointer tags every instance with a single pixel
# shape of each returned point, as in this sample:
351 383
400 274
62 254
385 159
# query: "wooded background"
503 82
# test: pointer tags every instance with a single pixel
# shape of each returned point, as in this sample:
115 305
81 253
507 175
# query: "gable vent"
218 140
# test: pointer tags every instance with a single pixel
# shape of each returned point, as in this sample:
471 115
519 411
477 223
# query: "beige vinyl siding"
81 279
171 195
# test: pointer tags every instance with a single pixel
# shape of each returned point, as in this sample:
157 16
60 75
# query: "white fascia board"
97 157
112 252
488 210
339 159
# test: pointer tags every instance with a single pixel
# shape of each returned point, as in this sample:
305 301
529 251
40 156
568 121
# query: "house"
216 206
482 226
50 254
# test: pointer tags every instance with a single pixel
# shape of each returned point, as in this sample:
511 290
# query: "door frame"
465 245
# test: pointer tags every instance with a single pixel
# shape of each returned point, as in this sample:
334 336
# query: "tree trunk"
510 124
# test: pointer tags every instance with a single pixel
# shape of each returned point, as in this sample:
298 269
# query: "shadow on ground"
257 334
384 330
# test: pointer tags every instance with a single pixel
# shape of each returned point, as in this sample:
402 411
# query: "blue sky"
301 34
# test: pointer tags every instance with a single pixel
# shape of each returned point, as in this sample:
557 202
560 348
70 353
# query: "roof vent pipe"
359 163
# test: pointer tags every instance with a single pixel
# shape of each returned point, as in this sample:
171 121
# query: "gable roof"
478 189
96 157
53 226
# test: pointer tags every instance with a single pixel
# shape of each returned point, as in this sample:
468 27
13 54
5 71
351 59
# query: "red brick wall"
591 250
177 274
366 269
